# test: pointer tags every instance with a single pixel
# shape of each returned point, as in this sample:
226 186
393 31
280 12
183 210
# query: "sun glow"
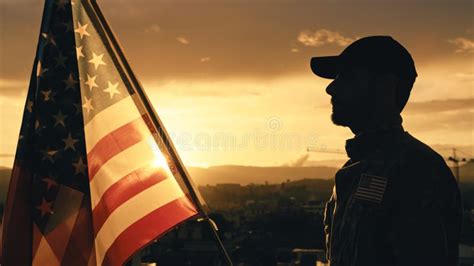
159 161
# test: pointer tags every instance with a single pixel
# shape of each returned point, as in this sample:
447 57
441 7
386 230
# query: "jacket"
395 202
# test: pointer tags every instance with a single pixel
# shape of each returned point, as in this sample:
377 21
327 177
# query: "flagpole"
157 123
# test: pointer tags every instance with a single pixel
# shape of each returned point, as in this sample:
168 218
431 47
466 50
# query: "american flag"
371 188
93 179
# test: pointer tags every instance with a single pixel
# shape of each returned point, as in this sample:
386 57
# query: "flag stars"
60 119
78 108
88 104
97 60
46 95
91 82
82 30
49 182
112 89
60 60
79 53
70 82
80 167
69 143
61 4
50 38
29 106
40 70
49 154
38 127
45 207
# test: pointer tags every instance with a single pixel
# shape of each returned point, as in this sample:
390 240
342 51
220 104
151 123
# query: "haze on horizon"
231 79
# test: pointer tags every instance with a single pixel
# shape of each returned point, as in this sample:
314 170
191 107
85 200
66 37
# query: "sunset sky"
231 79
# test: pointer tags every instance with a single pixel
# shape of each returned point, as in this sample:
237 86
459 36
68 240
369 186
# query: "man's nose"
330 88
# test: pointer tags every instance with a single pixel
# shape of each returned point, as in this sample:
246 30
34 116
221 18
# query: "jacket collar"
366 142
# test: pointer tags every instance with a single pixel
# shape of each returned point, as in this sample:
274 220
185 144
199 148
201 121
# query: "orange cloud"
153 28
463 45
205 59
322 37
182 40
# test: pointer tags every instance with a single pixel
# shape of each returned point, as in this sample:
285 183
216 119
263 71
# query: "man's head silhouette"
373 78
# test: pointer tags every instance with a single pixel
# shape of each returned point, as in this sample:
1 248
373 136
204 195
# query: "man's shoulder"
421 166
414 151
422 177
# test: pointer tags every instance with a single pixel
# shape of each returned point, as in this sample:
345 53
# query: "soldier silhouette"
395 201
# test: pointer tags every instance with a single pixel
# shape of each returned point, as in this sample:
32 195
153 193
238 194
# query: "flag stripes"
137 156
371 188
134 210
115 144
127 242
121 191
112 144
80 251
129 179
110 119
43 252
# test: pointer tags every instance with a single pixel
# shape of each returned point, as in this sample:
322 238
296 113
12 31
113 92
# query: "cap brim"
325 66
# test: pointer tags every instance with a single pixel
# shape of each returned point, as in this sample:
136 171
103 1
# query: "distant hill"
326 163
251 174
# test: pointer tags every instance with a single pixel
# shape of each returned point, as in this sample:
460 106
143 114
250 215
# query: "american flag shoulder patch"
371 188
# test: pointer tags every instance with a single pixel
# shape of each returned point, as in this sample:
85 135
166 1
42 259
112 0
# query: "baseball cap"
380 54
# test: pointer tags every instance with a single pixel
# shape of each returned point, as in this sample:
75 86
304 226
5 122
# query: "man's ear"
387 82
386 87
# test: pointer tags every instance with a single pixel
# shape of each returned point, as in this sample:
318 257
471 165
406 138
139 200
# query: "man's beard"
347 117
340 120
